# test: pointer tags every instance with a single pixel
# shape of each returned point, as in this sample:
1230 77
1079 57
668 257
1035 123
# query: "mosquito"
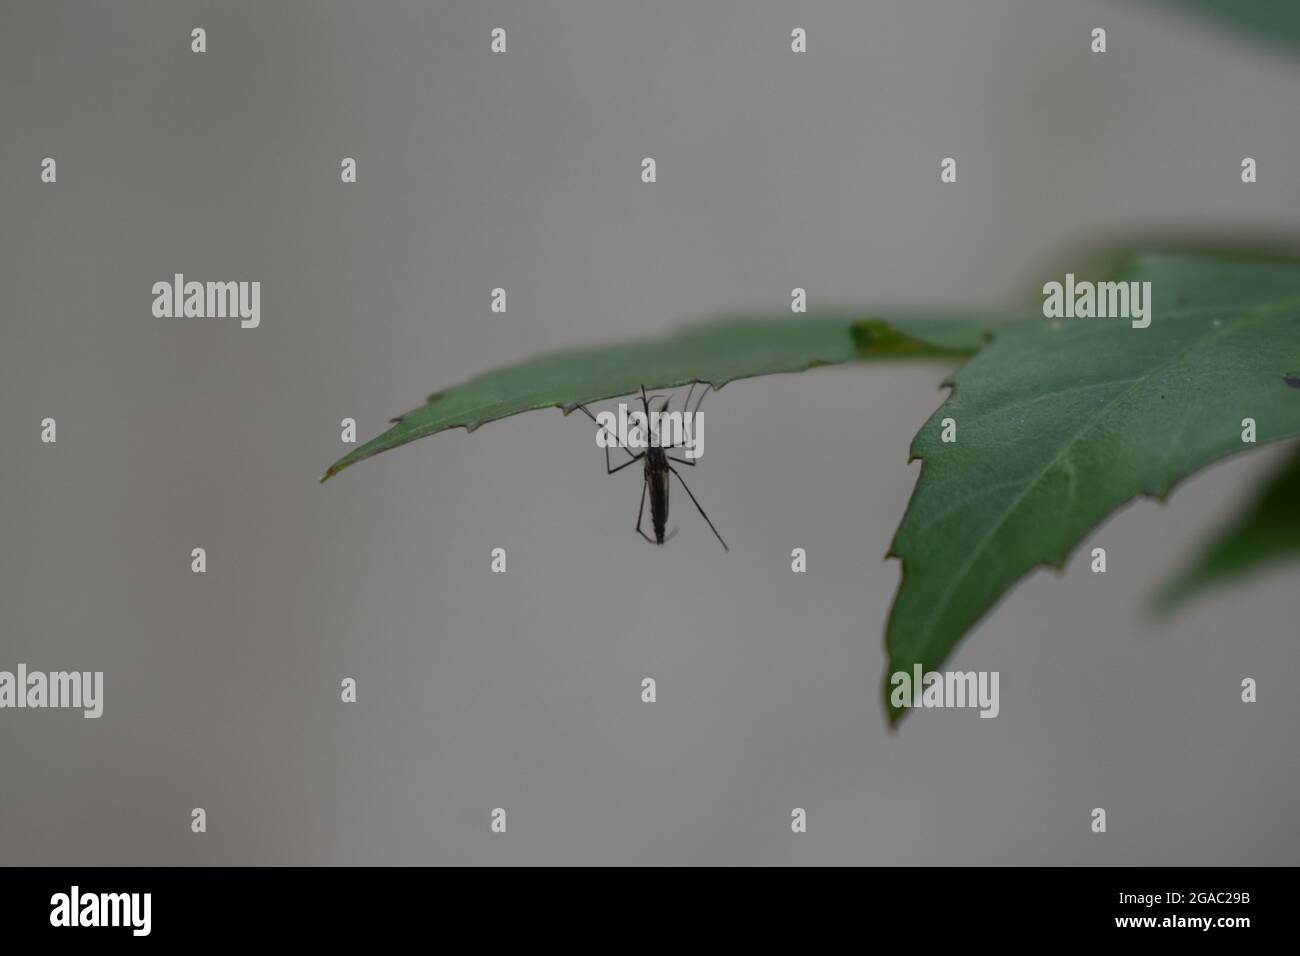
657 470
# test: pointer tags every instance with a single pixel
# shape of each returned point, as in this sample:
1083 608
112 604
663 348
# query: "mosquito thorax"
637 429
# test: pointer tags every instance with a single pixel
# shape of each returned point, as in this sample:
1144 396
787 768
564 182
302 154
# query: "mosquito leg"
688 418
700 400
680 461
631 461
641 513
688 435
697 507
609 470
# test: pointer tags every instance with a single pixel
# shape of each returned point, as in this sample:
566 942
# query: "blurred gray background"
522 690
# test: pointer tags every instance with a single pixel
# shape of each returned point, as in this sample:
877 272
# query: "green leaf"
714 352
1277 21
1061 422
1266 533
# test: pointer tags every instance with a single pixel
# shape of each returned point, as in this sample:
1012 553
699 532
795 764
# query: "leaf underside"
714 352
1266 533
1060 422
1276 21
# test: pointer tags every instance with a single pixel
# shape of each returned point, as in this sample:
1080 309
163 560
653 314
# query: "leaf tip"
1170 597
